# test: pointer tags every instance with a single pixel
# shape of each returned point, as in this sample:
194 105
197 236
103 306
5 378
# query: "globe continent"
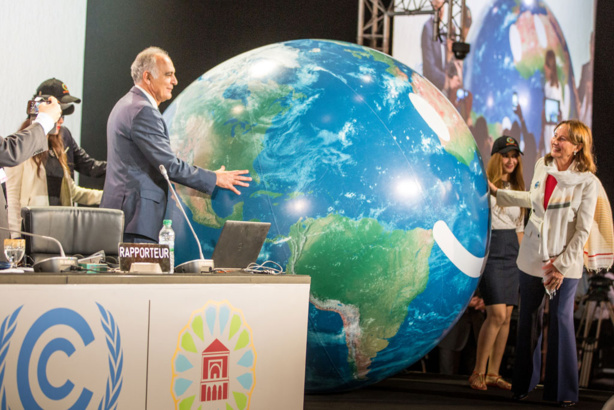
372 184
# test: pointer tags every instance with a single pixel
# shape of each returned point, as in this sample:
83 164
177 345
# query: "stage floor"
435 391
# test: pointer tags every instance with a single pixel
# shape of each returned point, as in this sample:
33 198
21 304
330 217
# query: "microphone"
54 264
201 265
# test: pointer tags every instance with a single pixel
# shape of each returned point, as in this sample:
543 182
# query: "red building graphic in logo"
214 383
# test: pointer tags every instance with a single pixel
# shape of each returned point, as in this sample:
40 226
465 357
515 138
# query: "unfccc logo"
214 364
56 335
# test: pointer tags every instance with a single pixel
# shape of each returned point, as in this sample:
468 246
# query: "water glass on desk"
14 250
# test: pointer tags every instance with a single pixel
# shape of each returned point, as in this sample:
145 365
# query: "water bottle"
167 237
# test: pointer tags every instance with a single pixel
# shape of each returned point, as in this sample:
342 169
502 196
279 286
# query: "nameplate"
130 253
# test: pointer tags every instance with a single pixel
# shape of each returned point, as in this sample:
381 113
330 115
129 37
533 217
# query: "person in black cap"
76 157
499 283
47 179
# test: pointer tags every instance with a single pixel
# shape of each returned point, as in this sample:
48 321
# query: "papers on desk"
16 270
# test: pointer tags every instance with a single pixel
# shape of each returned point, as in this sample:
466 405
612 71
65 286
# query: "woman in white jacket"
562 199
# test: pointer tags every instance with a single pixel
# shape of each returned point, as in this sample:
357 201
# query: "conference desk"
230 341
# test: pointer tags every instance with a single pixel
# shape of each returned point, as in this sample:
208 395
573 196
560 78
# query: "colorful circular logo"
215 360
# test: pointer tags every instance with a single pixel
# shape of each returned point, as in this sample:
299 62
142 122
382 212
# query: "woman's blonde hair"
579 133
494 172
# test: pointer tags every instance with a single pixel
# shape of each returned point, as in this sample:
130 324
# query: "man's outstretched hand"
229 179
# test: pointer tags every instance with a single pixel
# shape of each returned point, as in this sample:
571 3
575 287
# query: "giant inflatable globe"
371 182
507 57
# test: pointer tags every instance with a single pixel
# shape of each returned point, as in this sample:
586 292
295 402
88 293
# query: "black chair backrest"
80 230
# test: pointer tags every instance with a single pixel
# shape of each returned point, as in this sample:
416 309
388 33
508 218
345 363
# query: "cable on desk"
274 268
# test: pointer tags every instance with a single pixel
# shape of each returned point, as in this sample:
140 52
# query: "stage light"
299 206
408 190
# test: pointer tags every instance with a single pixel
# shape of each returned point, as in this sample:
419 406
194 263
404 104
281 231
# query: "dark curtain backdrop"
603 100
201 34
198 35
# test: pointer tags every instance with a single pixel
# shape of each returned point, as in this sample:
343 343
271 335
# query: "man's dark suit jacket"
14 150
137 144
432 56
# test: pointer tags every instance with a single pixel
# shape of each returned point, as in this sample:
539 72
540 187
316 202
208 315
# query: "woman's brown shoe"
477 381
496 380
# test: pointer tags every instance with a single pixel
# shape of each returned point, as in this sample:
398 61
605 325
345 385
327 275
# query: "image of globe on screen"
510 44
371 181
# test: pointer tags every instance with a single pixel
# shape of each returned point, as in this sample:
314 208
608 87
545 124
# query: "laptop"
239 244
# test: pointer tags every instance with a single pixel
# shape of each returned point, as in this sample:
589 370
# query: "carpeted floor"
414 390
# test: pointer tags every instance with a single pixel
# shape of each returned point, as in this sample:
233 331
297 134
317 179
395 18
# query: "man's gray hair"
146 61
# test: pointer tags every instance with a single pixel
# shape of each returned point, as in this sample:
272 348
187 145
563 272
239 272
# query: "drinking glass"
14 250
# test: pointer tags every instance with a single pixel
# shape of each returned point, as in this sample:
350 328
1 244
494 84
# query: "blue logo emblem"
31 353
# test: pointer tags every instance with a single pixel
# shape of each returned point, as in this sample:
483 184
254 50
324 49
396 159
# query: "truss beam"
375 19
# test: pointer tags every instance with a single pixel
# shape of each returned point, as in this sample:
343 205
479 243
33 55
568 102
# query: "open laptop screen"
239 244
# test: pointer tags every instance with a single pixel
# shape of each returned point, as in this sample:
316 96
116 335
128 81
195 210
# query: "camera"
599 282
598 287
460 49
33 104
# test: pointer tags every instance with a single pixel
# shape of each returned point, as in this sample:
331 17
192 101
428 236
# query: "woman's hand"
552 277
477 303
493 188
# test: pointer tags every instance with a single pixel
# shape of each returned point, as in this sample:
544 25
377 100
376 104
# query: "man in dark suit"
138 143
22 145
433 51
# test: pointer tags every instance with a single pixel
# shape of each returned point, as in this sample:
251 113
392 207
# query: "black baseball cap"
505 144
59 90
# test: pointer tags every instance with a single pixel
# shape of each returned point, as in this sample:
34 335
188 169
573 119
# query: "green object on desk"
94 267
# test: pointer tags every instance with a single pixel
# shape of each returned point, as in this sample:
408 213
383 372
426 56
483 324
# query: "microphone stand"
54 264
201 265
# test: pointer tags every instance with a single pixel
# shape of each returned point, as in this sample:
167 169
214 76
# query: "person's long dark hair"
56 144
551 62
